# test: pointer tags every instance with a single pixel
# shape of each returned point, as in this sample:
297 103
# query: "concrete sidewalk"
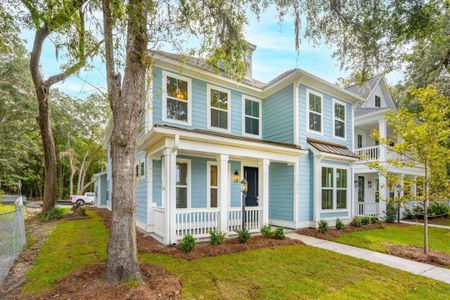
407 265
429 225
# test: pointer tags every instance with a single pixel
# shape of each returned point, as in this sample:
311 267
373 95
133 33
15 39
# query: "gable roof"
361 111
364 89
331 148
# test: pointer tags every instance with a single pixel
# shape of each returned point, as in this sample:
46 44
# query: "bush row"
356 222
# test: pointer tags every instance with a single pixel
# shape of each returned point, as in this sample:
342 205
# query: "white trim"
149 189
334 119
243 115
296 100
208 183
164 98
188 181
309 91
209 107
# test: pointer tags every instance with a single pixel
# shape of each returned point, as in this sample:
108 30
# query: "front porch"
194 184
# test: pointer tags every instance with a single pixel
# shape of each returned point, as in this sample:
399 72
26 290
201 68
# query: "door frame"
253 164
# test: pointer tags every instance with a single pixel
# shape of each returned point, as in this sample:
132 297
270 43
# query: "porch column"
383 195
224 187
401 183
170 170
414 187
382 132
264 166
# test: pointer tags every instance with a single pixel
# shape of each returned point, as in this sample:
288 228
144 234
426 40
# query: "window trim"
166 74
208 183
308 92
209 87
188 182
375 101
244 115
139 168
357 141
348 203
336 101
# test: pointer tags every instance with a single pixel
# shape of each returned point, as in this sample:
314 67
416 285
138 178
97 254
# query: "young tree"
423 137
66 20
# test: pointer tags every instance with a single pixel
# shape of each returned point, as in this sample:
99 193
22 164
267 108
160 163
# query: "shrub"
391 214
267 231
323 226
187 243
216 237
279 233
356 222
374 220
243 236
365 220
53 214
414 213
438 209
339 224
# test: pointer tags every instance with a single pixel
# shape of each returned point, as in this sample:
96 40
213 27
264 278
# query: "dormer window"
377 101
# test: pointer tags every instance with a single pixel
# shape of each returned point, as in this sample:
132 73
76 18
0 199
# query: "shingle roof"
331 148
202 64
361 111
364 88
230 136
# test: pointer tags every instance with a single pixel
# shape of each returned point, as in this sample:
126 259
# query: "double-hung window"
177 99
182 183
377 101
252 116
314 112
219 108
339 119
213 186
334 188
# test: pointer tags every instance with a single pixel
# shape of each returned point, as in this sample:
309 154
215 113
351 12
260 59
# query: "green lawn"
6 207
445 222
376 239
279 272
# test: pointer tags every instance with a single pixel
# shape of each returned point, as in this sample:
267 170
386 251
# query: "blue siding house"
291 139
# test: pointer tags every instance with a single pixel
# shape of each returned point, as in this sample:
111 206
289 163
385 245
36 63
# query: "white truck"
87 198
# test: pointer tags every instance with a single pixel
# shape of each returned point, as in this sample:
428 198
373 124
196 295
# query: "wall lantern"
236 177
369 183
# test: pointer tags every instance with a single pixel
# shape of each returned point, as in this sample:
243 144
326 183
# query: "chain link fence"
12 239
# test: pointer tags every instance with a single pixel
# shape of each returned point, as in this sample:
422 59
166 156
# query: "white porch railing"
253 218
159 217
367 154
198 222
367 208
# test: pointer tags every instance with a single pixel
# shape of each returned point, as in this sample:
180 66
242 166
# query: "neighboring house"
370 186
101 190
202 132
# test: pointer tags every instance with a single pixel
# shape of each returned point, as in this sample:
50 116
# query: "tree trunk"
121 264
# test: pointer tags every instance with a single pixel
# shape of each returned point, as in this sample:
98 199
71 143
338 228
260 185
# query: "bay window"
338 119
219 108
334 188
314 112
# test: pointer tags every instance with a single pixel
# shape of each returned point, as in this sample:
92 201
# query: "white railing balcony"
368 154
198 222
253 218
367 208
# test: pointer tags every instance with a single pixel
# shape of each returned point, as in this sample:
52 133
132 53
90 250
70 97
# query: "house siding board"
199 104
327 116
278 116
281 192
305 189
235 188
141 194
157 182
333 215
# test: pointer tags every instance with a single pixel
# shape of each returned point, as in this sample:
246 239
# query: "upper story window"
176 98
377 101
252 116
339 119
315 108
219 113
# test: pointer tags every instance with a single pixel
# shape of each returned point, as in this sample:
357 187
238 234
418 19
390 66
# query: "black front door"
251 175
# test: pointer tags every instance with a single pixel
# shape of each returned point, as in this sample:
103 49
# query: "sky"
275 54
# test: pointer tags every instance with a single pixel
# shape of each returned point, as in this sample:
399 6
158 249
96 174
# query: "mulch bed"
87 283
334 233
146 243
416 253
